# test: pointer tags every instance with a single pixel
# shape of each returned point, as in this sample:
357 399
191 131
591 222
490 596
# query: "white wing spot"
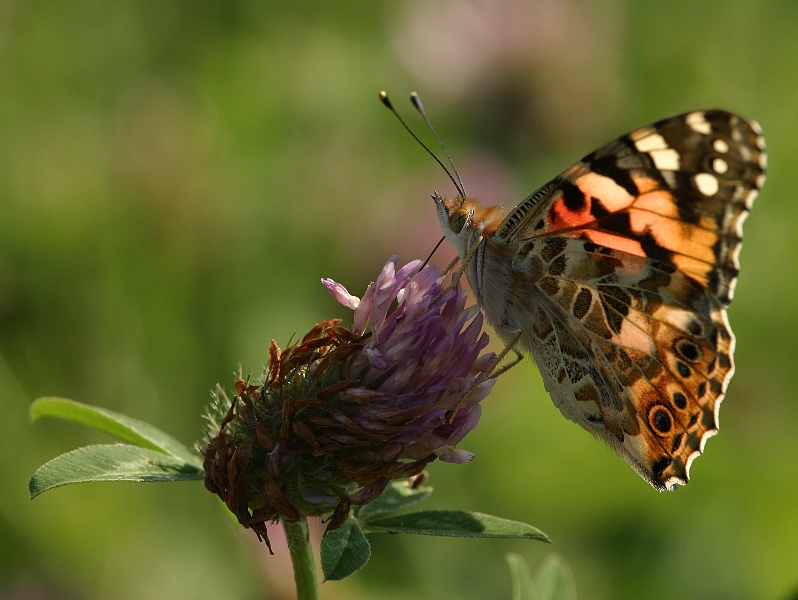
720 146
706 183
666 160
651 142
720 166
698 123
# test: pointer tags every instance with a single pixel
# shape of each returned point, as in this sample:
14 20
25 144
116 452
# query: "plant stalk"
307 586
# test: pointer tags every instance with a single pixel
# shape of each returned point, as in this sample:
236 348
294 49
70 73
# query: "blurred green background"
175 177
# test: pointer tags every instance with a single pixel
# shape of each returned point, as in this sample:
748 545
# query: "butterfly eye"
458 220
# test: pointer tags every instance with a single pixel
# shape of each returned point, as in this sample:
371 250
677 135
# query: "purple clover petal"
453 455
479 392
376 359
363 314
428 359
406 271
341 294
382 293
466 420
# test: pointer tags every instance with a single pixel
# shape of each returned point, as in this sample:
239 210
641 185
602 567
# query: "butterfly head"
456 218
464 220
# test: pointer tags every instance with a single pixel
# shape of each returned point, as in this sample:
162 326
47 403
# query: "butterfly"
616 276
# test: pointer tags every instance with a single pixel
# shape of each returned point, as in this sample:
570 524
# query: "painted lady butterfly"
616 276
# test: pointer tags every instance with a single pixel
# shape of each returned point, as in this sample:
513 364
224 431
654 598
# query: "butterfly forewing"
617 275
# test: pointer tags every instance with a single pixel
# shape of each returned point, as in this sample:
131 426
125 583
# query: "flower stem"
307 587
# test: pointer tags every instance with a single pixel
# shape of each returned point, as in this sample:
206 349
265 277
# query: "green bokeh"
176 177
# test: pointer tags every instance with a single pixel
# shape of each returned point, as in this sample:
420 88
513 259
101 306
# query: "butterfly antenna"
434 250
458 184
414 98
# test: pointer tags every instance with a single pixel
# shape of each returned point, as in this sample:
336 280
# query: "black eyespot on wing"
695 328
687 349
662 420
683 369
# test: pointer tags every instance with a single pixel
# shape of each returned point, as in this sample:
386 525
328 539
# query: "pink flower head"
340 414
421 359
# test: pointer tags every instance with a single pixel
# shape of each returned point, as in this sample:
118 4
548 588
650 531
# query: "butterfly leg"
464 263
518 358
493 372
450 268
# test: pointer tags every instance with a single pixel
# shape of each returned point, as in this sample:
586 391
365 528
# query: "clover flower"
338 415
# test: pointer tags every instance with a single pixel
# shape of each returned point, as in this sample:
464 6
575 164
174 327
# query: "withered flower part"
338 415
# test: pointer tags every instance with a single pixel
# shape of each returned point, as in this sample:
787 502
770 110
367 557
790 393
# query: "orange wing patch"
599 194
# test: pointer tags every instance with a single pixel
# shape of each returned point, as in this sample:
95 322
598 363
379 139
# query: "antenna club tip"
384 99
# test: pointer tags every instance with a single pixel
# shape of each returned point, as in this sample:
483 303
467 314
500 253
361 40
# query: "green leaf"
555 580
344 551
455 523
523 585
115 424
111 462
396 496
